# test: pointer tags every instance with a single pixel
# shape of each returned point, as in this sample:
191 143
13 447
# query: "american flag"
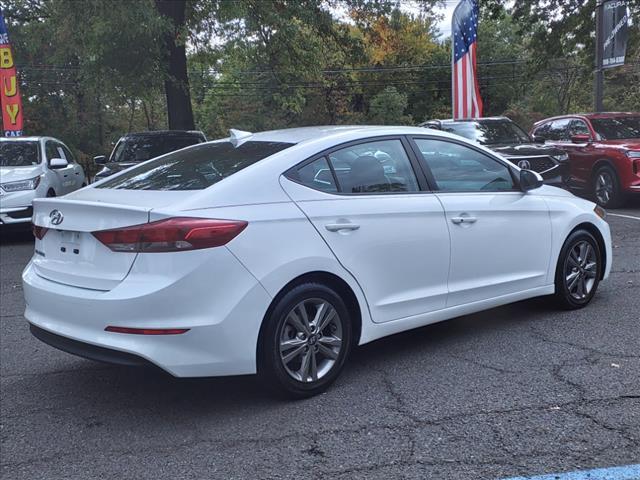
464 81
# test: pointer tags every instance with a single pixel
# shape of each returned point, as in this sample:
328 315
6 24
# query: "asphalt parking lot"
518 390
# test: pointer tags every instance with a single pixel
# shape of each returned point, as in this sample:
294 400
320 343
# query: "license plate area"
69 246
70 242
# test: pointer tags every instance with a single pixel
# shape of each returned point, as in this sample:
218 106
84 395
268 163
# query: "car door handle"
336 227
459 220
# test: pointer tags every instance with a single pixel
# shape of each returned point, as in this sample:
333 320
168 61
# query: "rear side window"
318 175
371 167
194 168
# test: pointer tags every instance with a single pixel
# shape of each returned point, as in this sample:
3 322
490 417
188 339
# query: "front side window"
558 130
51 151
457 168
194 168
19 154
578 127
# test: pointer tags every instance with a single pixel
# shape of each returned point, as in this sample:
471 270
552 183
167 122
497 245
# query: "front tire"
606 187
305 342
578 271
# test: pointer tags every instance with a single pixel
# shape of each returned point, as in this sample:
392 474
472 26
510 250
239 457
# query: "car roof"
307 134
165 133
23 139
467 120
592 115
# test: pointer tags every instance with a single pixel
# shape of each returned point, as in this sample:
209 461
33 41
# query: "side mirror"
100 160
580 138
58 163
530 180
538 139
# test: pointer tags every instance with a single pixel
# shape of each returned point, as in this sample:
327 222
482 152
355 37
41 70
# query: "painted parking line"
627 472
623 216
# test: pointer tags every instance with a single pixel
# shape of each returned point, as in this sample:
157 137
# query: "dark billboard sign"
615 25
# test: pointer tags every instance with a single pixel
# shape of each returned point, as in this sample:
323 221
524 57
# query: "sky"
444 25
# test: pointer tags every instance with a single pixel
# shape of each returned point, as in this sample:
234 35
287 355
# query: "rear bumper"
212 295
86 350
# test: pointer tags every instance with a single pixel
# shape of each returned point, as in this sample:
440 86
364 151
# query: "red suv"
604 152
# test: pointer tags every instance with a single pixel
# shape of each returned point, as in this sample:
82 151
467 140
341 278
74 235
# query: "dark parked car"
134 148
604 152
504 136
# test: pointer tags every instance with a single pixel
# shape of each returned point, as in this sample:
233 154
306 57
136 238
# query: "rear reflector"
38 231
147 331
171 235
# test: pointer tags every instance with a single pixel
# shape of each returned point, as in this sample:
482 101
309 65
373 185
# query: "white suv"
34 167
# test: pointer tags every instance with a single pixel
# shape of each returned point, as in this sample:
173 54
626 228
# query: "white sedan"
278 252
33 167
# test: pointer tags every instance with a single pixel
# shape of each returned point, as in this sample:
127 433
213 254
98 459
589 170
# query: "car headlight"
633 154
600 212
563 157
30 184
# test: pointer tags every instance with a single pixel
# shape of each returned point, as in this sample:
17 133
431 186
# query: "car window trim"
514 178
423 186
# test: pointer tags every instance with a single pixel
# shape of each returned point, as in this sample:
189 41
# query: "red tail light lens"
172 235
38 231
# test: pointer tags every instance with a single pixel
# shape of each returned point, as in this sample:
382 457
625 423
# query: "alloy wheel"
581 270
604 187
310 340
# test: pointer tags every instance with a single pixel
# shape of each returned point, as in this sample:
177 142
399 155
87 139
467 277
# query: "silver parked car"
34 167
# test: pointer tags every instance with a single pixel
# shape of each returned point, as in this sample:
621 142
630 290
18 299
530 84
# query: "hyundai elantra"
279 252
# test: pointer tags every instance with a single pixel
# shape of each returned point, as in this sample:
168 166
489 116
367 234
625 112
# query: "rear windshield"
141 149
491 132
617 128
19 154
194 168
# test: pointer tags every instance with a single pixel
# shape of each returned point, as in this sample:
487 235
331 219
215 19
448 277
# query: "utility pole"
599 72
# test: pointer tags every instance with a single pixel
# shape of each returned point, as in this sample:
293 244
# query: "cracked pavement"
518 390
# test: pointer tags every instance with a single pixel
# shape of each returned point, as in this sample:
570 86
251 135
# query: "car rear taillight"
171 235
38 231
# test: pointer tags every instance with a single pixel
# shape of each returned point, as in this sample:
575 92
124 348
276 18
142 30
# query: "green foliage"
93 70
388 107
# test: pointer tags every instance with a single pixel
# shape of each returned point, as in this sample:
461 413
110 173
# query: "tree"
176 83
388 107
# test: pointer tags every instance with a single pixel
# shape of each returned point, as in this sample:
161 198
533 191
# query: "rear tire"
606 187
305 341
578 271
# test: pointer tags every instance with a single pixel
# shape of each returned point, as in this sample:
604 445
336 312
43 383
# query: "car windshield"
488 132
19 154
617 128
142 148
194 168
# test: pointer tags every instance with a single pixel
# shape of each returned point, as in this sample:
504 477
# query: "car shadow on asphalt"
141 387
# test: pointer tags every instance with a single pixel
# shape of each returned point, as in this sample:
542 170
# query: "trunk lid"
69 253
